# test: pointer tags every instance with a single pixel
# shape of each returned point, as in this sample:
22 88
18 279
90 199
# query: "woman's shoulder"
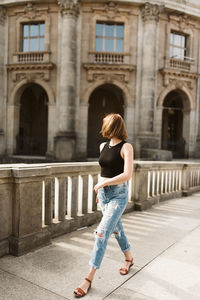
102 146
127 146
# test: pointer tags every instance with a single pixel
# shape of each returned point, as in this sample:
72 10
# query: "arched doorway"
174 107
104 100
33 120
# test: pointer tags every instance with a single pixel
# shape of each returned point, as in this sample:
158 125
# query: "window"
109 37
33 37
178 46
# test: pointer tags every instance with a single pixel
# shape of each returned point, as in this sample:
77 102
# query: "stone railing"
109 57
31 57
41 201
180 64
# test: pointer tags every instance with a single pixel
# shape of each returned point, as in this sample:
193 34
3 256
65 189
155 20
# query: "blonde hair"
114 126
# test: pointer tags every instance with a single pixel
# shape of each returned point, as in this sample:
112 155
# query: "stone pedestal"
65 139
65 146
27 230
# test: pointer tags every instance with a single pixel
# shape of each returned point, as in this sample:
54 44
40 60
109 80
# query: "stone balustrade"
109 57
31 57
180 64
41 201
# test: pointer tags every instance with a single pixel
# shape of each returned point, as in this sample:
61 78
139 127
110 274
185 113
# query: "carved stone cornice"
108 73
2 15
29 66
151 12
69 7
179 78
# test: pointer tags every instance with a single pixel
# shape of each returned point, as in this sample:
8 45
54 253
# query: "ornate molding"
109 73
30 77
179 79
31 11
30 71
111 10
35 66
182 22
2 15
151 12
69 7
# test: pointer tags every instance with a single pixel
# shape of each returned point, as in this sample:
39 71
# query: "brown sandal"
124 271
82 293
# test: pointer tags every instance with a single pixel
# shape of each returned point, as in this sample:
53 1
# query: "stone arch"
89 90
176 104
21 86
182 89
105 99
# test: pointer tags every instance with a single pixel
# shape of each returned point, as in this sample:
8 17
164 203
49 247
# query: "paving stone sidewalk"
166 246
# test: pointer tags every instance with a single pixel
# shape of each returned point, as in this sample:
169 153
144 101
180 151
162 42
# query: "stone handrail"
41 201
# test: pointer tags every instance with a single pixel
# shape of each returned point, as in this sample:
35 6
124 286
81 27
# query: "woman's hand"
97 200
98 186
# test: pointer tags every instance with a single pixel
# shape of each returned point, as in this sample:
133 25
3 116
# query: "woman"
116 161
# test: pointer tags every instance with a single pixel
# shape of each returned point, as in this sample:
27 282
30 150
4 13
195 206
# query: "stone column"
65 139
2 78
197 150
150 17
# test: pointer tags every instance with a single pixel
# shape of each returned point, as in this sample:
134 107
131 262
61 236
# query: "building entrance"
32 136
104 100
172 124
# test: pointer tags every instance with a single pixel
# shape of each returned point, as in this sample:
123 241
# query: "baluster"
172 188
157 183
153 184
180 180
166 182
49 195
74 195
56 201
169 181
85 193
149 184
162 183
62 199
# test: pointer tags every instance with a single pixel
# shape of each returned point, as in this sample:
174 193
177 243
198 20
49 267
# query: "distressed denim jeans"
112 200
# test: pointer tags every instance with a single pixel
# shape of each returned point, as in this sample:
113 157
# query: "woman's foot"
83 288
127 265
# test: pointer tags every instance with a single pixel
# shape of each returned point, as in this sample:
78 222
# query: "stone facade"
157 93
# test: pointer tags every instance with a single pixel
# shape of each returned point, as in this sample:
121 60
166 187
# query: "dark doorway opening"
32 136
172 125
104 100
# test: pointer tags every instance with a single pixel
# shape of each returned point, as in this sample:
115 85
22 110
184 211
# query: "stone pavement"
166 246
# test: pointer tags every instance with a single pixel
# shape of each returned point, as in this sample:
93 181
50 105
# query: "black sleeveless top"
110 160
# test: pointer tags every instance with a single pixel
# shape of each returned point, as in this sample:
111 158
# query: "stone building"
64 64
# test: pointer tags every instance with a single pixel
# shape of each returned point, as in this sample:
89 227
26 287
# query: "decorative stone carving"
179 79
69 7
30 77
22 71
30 11
2 15
151 12
111 9
109 77
109 72
184 22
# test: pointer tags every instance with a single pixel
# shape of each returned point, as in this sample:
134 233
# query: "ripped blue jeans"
113 200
